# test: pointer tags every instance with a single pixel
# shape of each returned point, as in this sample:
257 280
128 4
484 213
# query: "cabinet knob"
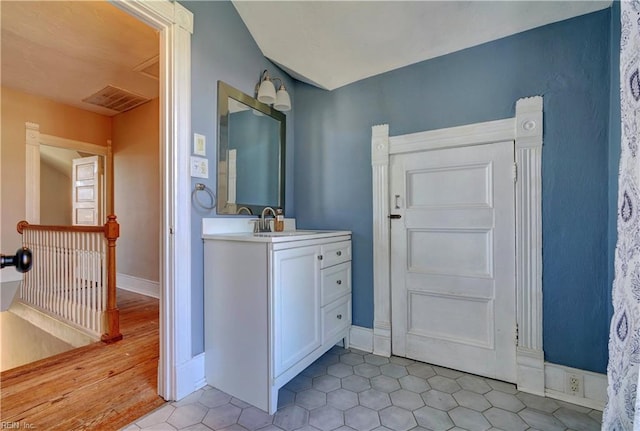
339 282
339 253
320 257
339 316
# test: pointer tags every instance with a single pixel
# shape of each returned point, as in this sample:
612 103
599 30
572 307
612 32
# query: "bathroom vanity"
274 303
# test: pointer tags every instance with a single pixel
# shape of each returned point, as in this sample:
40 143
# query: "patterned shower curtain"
622 412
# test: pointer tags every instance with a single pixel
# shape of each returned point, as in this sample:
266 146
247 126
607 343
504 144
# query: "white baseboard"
591 389
361 338
138 285
190 376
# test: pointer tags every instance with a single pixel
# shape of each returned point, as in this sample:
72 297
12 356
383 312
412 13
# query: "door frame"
33 140
526 130
179 373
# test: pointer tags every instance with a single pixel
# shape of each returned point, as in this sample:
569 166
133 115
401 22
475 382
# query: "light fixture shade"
267 92
283 101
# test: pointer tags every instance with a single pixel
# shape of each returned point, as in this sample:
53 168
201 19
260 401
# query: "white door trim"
175 25
178 373
33 140
525 129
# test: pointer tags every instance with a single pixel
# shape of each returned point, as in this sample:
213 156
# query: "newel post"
112 314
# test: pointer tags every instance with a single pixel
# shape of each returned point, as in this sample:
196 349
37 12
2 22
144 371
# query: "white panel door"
87 191
453 258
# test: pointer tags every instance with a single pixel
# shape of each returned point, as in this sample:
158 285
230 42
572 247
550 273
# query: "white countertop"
241 229
285 236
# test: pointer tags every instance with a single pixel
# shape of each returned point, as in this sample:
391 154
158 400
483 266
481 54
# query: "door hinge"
517 335
515 172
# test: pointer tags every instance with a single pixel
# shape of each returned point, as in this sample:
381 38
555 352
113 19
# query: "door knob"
22 260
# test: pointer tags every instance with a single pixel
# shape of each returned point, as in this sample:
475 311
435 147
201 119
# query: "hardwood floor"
96 387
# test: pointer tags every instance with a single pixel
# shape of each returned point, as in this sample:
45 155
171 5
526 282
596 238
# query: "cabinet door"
296 305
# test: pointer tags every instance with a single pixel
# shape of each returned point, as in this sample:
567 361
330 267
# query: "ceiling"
68 50
333 43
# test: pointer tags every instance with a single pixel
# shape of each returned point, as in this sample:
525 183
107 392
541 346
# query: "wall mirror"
251 153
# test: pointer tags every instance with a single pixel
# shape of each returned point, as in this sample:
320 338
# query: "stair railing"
73 275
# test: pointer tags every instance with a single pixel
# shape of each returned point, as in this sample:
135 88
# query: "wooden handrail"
111 230
57 228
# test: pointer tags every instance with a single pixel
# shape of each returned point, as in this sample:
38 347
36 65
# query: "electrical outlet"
574 385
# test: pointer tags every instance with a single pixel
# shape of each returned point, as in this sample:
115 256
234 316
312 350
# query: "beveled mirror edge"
225 91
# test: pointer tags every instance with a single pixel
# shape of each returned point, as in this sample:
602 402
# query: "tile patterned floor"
351 390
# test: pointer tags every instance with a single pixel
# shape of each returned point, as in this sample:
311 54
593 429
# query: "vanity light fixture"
267 93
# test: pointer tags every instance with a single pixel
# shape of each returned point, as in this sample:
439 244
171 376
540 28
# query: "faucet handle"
257 224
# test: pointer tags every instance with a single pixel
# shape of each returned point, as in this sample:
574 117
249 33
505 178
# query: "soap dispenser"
279 221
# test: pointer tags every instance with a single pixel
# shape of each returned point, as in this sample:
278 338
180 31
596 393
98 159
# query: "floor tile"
538 403
505 420
471 400
342 399
311 399
222 416
439 400
433 419
444 384
361 418
393 370
385 383
347 390
326 383
356 383
340 370
576 420
291 418
253 418
414 384
421 370
504 401
326 418
374 399
397 418
540 420
367 370
352 359
375 359
474 384
469 419
187 415
214 398
406 399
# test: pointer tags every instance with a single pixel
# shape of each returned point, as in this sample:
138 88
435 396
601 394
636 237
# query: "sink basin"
286 233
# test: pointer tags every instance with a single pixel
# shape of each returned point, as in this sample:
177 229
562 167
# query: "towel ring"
194 196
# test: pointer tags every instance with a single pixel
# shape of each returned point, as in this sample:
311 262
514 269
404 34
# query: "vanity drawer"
336 317
334 253
335 282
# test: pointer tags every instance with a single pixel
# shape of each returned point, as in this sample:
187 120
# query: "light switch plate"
199 145
199 167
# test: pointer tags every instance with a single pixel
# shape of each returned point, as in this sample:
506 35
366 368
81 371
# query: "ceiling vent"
116 99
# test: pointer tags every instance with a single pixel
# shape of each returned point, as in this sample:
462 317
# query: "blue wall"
569 64
222 49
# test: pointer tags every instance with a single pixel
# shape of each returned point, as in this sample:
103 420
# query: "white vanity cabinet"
273 305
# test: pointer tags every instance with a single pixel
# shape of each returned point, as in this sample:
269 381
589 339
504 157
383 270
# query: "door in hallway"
87 191
453 258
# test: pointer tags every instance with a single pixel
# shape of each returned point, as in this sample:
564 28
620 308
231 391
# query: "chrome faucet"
264 223
246 209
